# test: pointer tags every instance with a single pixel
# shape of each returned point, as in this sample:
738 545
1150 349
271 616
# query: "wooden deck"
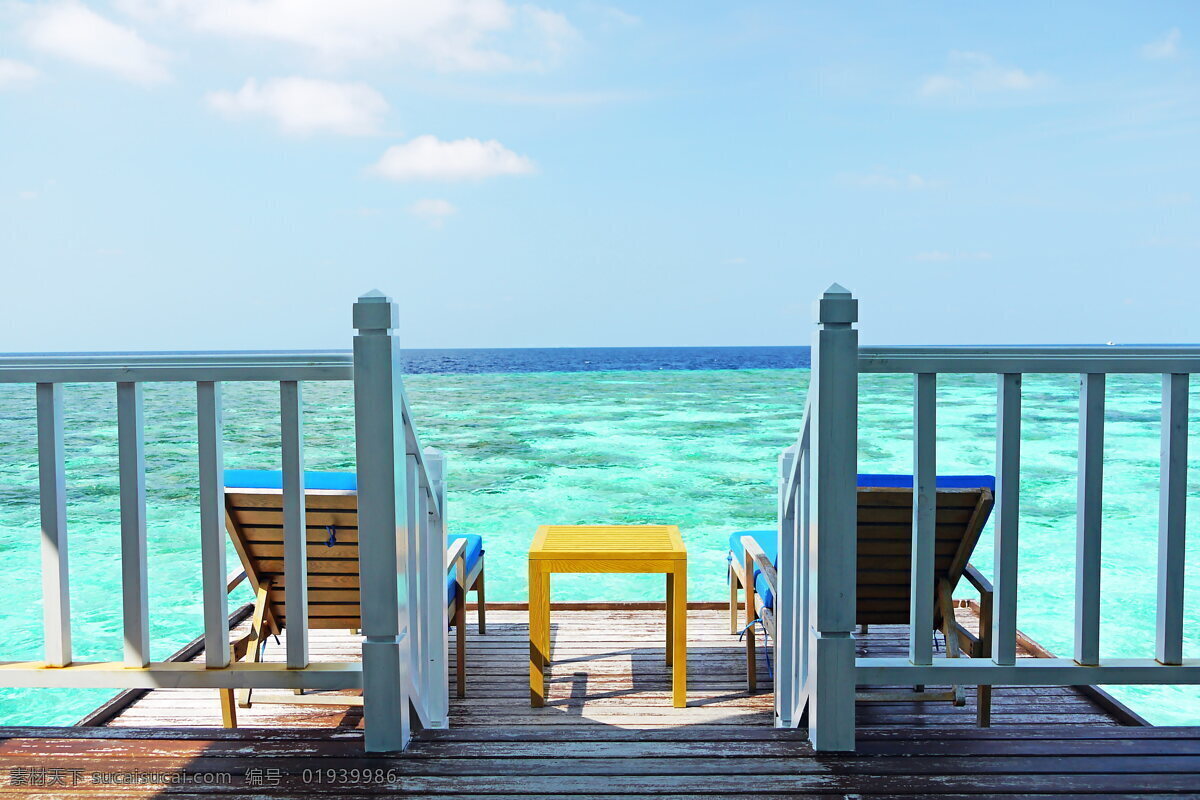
609 729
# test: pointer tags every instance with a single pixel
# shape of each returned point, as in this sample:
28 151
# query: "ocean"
684 436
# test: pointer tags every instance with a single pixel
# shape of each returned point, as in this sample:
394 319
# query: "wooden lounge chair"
254 519
885 511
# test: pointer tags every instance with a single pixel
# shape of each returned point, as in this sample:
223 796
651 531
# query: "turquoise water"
692 448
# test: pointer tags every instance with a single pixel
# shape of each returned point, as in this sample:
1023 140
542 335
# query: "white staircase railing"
401 528
817 668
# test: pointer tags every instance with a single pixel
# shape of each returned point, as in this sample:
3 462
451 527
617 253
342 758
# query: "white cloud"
16 74
944 255
70 30
446 35
887 179
1164 48
433 211
969 73
615 15
303 105
429 158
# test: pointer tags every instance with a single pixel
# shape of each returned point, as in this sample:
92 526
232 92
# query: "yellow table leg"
539 633
679 637
670 644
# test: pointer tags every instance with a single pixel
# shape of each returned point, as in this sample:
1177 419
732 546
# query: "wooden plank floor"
609 730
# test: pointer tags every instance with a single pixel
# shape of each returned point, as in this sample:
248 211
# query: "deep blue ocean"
597 359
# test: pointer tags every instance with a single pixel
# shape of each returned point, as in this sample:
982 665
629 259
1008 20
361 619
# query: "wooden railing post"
382 519
834 442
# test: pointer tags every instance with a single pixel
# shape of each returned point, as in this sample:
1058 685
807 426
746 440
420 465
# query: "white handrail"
321 365
1129 359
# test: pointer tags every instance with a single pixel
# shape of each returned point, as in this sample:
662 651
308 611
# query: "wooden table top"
608 542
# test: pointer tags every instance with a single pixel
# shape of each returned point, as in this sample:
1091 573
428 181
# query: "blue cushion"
943 482
273 479
769 540
344 481
471 554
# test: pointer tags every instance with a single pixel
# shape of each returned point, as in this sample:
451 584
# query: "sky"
231 174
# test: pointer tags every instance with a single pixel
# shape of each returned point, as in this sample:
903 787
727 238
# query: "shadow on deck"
609 729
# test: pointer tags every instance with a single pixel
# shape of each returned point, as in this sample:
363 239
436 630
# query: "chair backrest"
885 519
254 518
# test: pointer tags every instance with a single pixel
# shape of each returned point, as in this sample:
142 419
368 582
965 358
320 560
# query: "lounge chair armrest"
976 579
762 562
983 643
457 551
234 579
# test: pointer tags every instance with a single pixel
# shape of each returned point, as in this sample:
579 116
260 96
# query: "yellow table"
607 549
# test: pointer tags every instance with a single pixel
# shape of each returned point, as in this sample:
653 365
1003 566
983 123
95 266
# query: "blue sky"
232 173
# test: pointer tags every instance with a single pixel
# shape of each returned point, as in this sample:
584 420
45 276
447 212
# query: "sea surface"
686 436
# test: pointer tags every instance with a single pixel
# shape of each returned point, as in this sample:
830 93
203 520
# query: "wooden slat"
870 563
326 581
272 566
1008 476
1088 515
319 595
213 570
135 604
323 609
901 514
317 534
891 497
52 496
274 517
886 548
313 501
1172 517
294 530
315 550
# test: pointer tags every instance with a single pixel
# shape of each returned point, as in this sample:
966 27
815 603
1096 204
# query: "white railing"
817 669
402 538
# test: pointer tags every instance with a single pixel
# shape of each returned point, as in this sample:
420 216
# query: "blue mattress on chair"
472 554
345 481
768 540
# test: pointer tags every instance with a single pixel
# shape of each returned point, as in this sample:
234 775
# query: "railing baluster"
56 595
418 588
1008 489
1172 498
134 585
785 603
295 532
805 565
920 639
433 548
209 432
1088 518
